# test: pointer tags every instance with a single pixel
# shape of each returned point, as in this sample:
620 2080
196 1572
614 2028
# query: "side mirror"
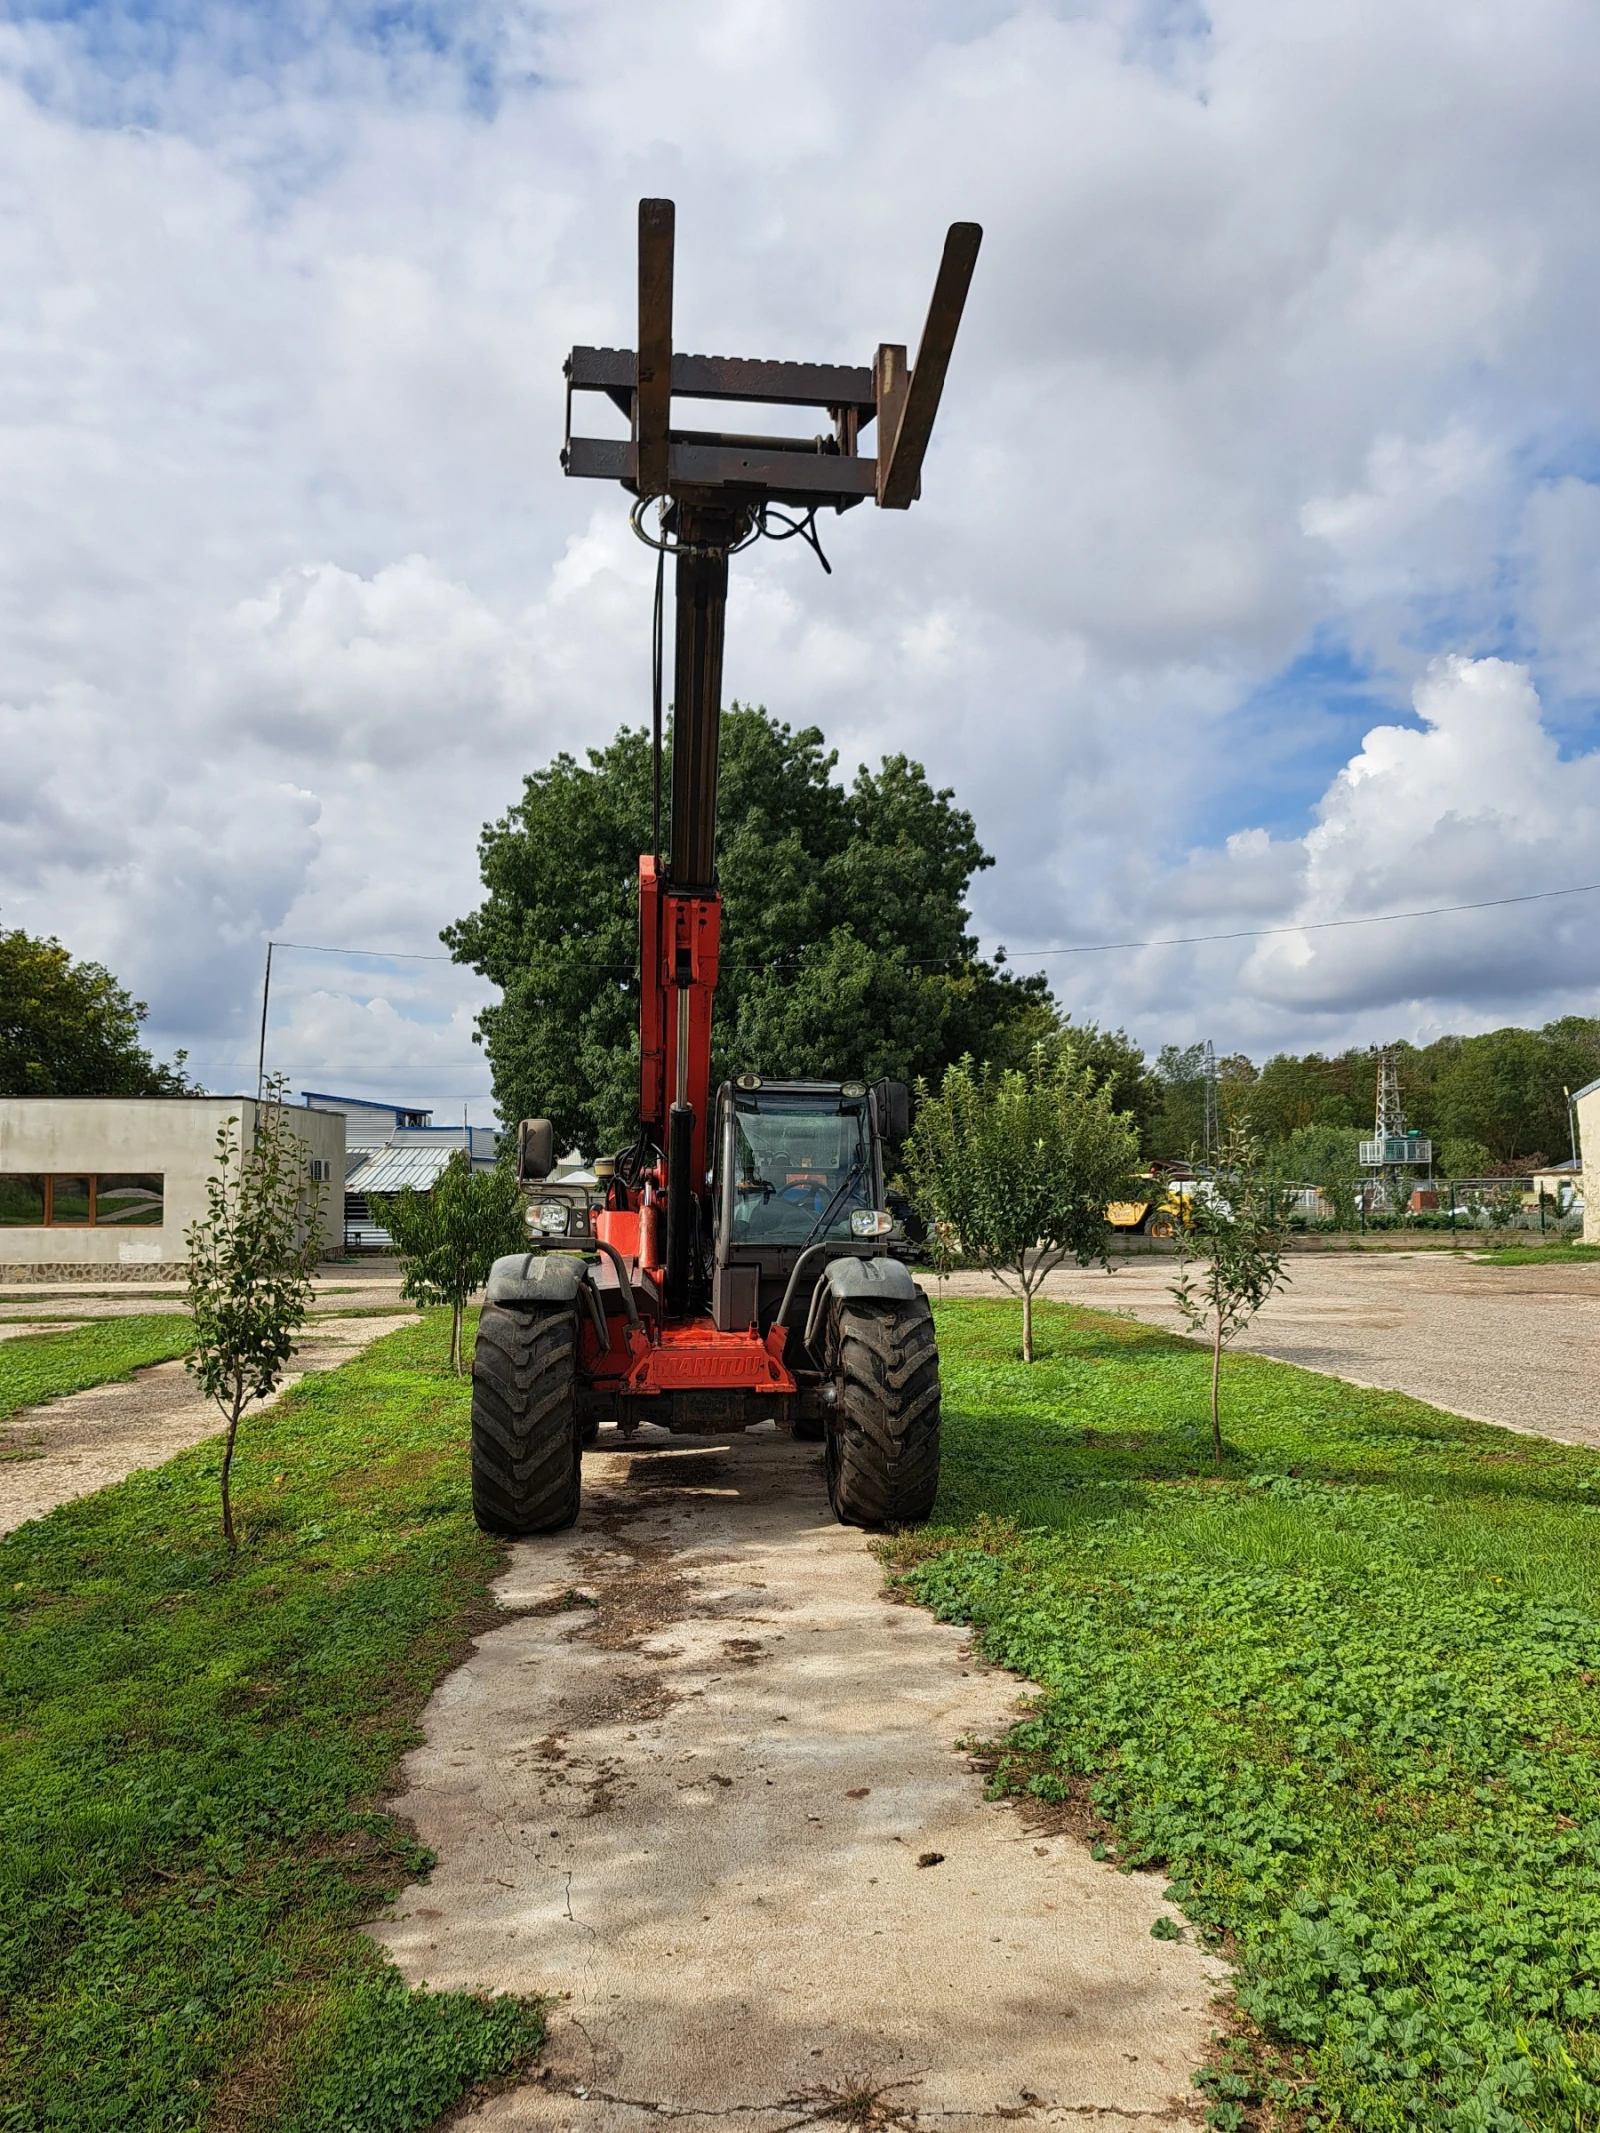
536 1149
894 1110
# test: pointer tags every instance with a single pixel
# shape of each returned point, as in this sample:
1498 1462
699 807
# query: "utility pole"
1212 1128
261 1049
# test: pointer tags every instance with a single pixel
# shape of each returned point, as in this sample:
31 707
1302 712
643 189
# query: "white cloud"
1282 336
1474 805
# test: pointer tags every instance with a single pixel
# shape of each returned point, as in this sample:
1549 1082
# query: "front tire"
883 1435
527 1454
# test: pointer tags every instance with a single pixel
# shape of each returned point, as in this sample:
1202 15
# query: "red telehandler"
742 1264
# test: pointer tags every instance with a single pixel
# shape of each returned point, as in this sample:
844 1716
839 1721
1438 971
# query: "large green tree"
69 1029
845 934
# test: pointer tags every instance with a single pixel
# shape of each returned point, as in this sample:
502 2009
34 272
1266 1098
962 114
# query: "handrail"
810 1252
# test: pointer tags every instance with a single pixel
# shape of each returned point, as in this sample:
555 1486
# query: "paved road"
1515 1345
697 1808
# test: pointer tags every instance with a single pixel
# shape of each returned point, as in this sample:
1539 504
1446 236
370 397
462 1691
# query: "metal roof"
390 1168
312 1098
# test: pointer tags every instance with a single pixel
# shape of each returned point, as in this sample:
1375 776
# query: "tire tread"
883 1441
526 1454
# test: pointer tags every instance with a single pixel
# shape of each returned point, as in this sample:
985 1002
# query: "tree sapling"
1233 1234
1017 1169
449 1237
250 1261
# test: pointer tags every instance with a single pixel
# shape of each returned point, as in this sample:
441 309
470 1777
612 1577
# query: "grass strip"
44 1366
1346 1695
193 1761
1540 1255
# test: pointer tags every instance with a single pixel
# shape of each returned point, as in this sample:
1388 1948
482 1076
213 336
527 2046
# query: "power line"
393 955
1175 940
1316 925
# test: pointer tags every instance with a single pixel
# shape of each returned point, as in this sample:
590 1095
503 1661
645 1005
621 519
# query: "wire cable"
393 955
1313 925
1176 940
657 646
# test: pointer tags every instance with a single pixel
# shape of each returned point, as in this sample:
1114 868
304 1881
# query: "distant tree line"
1490 1103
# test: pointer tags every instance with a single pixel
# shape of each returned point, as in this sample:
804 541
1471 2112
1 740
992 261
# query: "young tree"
1018 1167
450 1236
250 1261
1234 1238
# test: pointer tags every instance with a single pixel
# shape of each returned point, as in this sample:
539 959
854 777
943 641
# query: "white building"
109 1185
1586 1102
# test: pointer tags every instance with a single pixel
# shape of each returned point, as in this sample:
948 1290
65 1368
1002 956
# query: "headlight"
550 1216
871 1222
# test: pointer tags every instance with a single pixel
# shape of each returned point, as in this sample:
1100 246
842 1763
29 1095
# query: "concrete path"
1519 1346
85 1441
360 1287
708 1784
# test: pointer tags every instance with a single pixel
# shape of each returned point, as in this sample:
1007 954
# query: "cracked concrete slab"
714 1789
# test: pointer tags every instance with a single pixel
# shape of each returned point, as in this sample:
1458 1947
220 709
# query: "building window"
111 1199
71 1201
21 1200
129 1199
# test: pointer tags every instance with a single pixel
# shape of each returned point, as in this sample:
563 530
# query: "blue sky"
1275 416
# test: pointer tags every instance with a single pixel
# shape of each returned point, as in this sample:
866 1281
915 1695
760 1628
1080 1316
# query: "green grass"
1346 1696
43 1366
193 1762
1553 1254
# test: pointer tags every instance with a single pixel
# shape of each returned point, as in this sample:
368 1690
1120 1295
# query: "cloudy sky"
1256 581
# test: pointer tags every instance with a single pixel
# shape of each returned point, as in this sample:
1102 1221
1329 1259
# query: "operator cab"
795 1165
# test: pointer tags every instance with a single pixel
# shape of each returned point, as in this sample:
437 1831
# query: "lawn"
193 1762
1345 1696
43 1366
1564 1254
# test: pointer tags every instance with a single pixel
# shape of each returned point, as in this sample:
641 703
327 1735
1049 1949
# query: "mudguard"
536 1278
870 1281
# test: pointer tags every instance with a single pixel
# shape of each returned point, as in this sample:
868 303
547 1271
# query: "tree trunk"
1216 1373
1027 1319
228 1533
455 1335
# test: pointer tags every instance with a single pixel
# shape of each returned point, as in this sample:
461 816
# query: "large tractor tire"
883 1434
527 1457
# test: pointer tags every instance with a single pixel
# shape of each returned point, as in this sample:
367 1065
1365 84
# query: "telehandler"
738 1261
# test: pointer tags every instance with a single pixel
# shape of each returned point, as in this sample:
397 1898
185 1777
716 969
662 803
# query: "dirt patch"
693 1813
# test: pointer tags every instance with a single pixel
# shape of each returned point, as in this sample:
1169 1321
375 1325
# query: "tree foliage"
250 1261
450 1236
845 941
1230 1255
1017 1166
69 1029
